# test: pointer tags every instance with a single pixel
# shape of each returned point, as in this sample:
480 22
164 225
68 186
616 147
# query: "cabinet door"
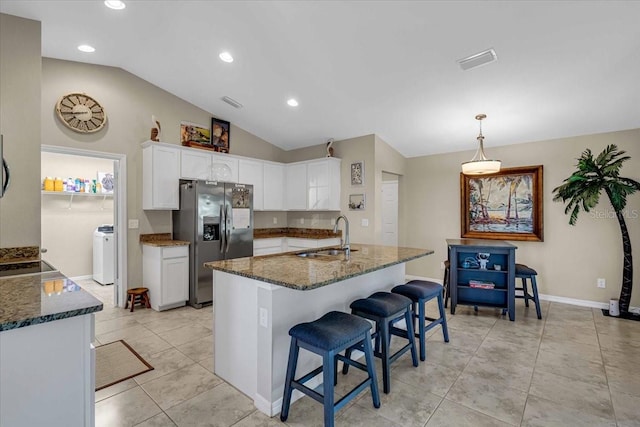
296 194
195 164
161 173
273 187
230 162
251 172
175 280
318 186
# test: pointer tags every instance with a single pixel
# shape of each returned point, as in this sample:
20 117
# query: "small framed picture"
195 135
356 202
220 135
357 173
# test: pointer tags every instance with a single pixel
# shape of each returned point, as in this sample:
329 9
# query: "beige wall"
68 224
129 102
571 258
20 74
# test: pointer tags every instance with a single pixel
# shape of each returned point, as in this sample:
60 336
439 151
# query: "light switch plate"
134 224
364 222
264 317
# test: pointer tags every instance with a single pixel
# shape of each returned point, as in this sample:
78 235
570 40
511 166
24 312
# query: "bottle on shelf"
71 186
47 184
58 184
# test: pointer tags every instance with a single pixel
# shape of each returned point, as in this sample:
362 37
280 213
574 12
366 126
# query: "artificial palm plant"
582 191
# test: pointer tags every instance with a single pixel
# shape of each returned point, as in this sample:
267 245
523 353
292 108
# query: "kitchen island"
47 361
257 300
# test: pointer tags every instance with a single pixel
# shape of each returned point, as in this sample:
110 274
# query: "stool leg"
421 331
534 287
371 369
386 365
525 292
411 334
291 371
147 301
445 285
133 301
328 364
445 330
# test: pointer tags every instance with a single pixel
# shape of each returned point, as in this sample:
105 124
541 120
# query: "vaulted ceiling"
387 67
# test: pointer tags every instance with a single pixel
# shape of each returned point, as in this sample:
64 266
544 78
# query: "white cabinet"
251 172
313 185
195 164
273 187
296 186
165 271
269 246
230 162
323 184
160 176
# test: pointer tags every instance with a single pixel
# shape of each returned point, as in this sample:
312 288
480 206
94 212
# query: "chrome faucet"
344 246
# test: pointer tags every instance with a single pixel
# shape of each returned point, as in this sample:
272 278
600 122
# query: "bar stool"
385 309
421 291
523 273
327 336
137 296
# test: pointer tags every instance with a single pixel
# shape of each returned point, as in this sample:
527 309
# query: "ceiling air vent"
232 102
478 59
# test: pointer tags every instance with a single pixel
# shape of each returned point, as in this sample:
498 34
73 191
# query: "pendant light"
480 165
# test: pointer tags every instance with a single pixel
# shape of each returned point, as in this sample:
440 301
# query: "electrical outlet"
134 224
301 221
275 219
364 222
602 283
264 317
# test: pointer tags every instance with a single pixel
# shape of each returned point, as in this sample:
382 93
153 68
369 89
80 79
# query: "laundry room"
78 215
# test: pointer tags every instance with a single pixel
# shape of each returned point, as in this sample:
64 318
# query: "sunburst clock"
81 113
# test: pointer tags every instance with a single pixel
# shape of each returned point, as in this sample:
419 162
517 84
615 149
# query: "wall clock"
81 113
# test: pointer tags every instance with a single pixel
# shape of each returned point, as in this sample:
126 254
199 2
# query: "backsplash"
23 253
294 219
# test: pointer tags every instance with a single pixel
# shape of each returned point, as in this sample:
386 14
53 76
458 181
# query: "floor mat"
116 362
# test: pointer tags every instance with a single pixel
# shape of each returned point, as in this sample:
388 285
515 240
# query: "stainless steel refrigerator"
217 219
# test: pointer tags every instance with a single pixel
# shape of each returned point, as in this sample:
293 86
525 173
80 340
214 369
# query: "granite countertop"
161 239
292 271
302 233
39 298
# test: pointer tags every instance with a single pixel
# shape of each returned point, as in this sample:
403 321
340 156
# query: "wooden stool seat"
137 296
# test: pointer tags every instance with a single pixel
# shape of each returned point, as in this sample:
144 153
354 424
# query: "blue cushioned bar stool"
327 337
385 309
421 291
523 273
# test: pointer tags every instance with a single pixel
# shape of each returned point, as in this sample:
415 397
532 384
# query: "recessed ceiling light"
226 57
115 4
86 48
292 102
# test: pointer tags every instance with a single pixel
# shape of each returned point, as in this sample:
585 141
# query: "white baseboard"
545 297
274 408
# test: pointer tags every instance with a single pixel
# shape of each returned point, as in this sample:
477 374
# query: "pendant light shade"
480 165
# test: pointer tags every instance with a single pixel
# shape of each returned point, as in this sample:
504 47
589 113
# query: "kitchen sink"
325 253
25 268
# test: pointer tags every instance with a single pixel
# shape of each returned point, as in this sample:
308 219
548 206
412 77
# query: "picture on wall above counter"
195 135
357 173
356 202
220 135
505 206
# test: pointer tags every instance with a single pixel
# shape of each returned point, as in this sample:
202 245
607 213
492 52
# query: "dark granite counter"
31 299
295 272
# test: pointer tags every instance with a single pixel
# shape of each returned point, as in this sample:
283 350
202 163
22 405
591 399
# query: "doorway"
99 207
390 212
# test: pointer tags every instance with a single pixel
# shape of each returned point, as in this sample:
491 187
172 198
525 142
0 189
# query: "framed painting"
504 206
195 135
356 202
357 173
220 135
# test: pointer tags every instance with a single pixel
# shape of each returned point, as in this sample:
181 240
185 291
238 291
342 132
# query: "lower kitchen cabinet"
165 271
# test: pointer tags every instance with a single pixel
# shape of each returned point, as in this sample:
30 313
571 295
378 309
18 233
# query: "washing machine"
103 254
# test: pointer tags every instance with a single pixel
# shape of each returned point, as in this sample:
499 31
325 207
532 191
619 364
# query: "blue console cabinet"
465 267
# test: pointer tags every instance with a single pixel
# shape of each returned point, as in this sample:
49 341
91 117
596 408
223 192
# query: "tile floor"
574 367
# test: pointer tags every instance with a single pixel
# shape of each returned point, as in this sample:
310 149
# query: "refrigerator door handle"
227 227
222 234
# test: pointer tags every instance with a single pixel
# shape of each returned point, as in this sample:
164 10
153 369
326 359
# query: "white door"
390 213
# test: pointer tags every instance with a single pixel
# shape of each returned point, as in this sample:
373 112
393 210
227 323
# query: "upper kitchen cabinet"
251 172
160 176
296 186
313 185
229 161
273 186
323 184
195 164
